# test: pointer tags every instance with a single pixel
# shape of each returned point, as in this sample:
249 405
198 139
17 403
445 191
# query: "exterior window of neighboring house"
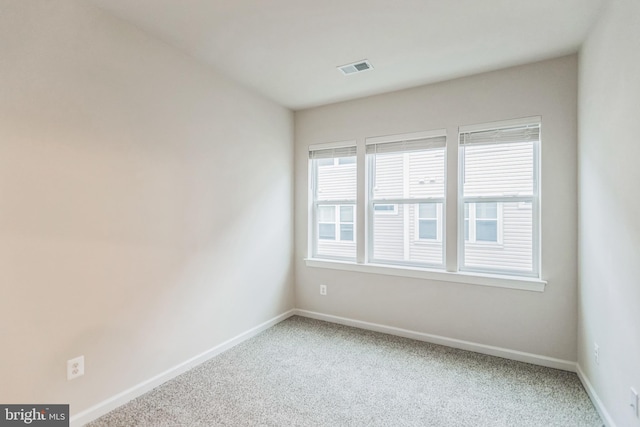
346 223
327 222
347 160
330 228
406 188
482 222
428 221
325 162
333 192
499 192
486 222
386 209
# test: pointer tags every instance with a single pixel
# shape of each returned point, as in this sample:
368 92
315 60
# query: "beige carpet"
305 372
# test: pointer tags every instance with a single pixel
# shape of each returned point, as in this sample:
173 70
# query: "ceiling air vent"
356 67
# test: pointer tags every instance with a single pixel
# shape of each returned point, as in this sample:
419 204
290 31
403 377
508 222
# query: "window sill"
510 282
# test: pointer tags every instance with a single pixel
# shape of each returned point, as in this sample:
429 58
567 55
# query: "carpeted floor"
305 372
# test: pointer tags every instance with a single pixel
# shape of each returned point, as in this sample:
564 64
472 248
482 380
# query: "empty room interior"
320 212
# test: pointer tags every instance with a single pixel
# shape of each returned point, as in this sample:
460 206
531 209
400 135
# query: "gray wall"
145 205
539 323
610 208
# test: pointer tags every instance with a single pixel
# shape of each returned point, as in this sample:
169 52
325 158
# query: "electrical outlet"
633 402
323 289
75 367
596 353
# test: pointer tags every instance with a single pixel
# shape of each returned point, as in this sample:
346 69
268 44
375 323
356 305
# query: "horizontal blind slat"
332 153
498 136
405 146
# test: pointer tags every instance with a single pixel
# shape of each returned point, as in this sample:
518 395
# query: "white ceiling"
289 49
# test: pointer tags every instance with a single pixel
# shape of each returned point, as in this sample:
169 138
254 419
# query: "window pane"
326 214
346 232
515 251
499 164
327 231
427 210
487 210
426 173
498 169
404 239
336 181
409 174
325 162
384 208
428 229
487 231
346 213
346 160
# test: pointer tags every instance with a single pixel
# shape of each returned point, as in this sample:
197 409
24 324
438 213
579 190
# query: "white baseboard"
604 414
119 399
505 353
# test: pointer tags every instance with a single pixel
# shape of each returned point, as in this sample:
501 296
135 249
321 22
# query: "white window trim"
491 280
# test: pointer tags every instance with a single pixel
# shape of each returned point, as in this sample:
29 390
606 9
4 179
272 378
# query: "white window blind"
406 146
495 136
332 153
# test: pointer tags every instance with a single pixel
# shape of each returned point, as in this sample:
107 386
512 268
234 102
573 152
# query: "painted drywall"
609 243
539 323
145 205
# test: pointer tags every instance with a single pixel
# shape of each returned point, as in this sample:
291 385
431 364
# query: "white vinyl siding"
333 192
498 167
406 174
514 252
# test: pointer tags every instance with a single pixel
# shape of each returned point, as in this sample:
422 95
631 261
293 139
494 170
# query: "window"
499 195
482 222
486 222
327 222
403 213
406 188
346 223
333 190
428 221
334 226
347 160
386 209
